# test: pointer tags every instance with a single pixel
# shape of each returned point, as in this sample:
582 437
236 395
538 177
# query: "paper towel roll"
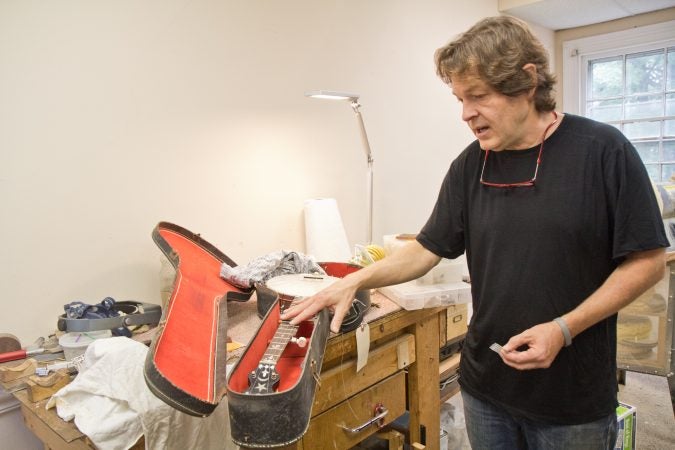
325 236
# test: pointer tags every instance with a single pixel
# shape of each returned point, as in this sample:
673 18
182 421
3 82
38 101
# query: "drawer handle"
380 412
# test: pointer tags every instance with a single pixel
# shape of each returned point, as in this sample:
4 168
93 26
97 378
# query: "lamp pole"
354 102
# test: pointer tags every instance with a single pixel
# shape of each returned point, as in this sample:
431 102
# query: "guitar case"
185 365
357 310
279 414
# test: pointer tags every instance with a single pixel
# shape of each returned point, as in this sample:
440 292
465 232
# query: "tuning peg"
301 341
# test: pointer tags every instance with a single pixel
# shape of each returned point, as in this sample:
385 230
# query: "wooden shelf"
447 370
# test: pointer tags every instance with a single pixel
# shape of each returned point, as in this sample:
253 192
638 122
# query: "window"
627 79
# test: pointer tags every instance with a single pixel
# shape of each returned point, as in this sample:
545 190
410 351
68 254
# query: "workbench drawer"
343 381
327 430
456 321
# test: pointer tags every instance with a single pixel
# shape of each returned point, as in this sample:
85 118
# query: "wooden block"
40 388
448 366
442 328
394 439
23 369
456 321
9 343
423 382
343 346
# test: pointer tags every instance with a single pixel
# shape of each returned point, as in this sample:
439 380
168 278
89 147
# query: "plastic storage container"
75 344
412 295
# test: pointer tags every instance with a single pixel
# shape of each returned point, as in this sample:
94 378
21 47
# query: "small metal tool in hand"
496 348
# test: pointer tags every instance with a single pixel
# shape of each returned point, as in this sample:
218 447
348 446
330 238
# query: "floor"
655 419
649 394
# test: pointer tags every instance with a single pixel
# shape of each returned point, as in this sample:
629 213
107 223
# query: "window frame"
578 52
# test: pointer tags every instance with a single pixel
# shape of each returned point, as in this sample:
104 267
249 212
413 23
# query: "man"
561 230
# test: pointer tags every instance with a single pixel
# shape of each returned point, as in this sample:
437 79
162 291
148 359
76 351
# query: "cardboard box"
626 416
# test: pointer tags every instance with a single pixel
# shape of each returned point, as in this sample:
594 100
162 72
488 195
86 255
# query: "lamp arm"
364 136
369 178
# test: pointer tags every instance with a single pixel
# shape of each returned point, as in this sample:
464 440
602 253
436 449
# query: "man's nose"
468 111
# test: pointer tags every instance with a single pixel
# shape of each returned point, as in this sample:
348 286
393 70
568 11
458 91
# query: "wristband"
565 330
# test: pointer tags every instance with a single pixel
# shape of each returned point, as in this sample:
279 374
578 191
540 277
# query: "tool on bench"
20 354
41 345
75 363
108 315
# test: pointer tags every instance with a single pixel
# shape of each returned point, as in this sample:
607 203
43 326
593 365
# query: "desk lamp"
354 102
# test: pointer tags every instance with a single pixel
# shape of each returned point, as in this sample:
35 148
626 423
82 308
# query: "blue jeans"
491 428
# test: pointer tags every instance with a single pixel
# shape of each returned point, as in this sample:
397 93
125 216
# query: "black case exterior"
279 418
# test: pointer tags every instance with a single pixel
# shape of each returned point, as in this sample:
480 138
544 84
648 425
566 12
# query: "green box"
626 416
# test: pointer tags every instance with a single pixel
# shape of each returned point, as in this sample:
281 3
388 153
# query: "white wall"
116 115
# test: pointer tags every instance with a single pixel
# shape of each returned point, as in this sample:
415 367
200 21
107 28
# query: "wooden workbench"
344 403
403 369
55 433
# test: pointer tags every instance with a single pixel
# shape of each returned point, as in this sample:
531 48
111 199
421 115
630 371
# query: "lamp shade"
332 95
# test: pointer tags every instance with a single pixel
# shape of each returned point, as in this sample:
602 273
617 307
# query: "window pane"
668 172
670 104
669 151
649 151
604 110
605 78
643 106
654 171
671 69
635 93
669 128
644 72
638 130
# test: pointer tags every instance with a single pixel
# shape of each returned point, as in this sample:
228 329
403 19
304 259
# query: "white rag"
112 405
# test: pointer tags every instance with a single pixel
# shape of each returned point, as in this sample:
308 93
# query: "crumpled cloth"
110 403
268 266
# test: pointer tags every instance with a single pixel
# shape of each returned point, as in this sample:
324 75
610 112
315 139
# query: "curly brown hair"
496 49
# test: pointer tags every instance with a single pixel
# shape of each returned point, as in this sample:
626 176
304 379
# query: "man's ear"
531 70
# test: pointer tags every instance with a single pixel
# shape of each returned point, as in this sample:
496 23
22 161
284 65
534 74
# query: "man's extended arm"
407 263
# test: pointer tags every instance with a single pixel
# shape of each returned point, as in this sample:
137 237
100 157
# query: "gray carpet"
655 420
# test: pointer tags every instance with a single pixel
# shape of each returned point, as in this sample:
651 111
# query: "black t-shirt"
535 253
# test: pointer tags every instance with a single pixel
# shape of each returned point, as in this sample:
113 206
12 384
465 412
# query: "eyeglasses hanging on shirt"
527 183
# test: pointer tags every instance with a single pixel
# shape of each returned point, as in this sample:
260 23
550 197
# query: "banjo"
264 379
